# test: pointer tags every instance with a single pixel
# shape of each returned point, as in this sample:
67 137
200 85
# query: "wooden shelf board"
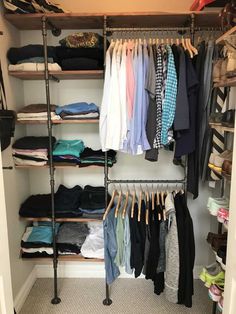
130 19
230 82
58 167
221 39
221 128
61 75
62 219
85 121
66 258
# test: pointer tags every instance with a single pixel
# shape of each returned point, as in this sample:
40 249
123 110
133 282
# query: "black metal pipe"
182 181
107 300
55 299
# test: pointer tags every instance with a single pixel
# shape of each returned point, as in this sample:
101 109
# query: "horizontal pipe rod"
147 29
160 29
110 181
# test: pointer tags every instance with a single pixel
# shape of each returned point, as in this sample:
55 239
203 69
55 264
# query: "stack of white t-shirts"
37 112
30 66
93 246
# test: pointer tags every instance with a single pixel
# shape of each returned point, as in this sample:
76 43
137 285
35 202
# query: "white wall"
126 167
126 6
16 182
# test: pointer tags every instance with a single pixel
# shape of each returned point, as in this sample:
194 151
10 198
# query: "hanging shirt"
114 112
159 82
168 112
145 100
123 95
105 98
130 82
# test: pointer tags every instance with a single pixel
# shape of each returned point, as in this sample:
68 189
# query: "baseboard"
86 270
24 291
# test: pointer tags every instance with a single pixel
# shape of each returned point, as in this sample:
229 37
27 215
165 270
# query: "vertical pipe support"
56 299
192 27
107 301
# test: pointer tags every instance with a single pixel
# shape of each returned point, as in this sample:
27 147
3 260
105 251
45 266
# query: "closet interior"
143 28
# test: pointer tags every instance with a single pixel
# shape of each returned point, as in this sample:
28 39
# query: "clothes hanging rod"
146 29
181 181
160 29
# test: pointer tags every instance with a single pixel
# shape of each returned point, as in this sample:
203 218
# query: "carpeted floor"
129 296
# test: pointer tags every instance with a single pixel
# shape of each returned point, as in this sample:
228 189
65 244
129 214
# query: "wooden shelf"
230 82
221 128
66 258
221 39
62 219
95 20
57 167
60 75
85 121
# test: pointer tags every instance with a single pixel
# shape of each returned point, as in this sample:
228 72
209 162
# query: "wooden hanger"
147 206
133 202
126 203
140 204
114 193
153 199
183 43
177 41
118 203
194 50
189 48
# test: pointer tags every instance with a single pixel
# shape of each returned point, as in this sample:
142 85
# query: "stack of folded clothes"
70 238
31 150
37 240
78 111
37 112
93 246
31 58
67 202
90 157
81 51
36 6
68 151
92 202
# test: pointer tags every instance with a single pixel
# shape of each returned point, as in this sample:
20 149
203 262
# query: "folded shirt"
71 234
33 142
23 162
30 51
82 116
77 108
81 64
42 116
40 153
47 250
73 53
36 108
93 246
68 147
93 197
82 40
37 235
35 60
33 67
67 199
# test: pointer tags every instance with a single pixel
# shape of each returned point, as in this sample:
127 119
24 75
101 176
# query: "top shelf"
96 20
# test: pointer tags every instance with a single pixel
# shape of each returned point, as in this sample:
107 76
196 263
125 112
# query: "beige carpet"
129 296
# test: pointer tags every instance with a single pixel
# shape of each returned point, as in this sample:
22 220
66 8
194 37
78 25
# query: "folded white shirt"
24 162
34 67
93 246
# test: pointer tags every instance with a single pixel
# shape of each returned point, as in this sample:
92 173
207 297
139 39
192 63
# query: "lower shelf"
79 219
66 258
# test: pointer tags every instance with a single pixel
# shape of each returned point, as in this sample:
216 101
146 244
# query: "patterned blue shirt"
169 104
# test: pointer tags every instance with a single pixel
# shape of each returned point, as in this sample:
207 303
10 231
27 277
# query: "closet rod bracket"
55 30
54 78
